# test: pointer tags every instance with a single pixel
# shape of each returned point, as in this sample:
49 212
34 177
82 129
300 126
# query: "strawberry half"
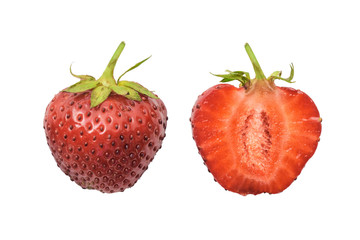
255 138
104 133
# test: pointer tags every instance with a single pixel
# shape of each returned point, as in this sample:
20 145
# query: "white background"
177 197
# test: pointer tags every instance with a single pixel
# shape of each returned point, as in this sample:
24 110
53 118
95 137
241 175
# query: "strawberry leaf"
133 67
242 77
82 77
102 88
277 75
126 92
99 95
82 86
137 87
133 95
247 75
121 90
226 80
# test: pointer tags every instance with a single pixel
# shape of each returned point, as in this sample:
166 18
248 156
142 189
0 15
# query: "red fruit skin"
257 141
108 147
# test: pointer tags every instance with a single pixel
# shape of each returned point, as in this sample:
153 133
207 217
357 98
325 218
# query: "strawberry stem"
259 75
107 78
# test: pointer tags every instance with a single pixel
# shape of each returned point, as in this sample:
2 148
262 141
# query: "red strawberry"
103 134
258 137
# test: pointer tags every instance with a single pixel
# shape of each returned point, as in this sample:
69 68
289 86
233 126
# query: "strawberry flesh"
255 141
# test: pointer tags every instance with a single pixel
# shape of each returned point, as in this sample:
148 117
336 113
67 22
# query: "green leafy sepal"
244 77
82 86
102 87
277 75
99 94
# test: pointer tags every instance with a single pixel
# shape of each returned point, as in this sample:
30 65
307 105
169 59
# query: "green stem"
107 78
259 75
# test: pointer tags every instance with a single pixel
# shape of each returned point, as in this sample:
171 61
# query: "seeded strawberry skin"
108 147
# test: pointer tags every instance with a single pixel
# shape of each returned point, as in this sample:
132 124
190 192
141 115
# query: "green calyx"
244 77
102 87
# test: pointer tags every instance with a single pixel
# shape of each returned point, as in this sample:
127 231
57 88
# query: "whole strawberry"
104 133
257 137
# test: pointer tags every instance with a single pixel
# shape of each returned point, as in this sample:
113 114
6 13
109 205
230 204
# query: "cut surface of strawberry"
255 138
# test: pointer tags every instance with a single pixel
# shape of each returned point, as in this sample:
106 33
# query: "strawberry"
255 138
103 134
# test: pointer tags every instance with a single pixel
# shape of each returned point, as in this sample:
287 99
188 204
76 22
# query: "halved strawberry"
258 137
